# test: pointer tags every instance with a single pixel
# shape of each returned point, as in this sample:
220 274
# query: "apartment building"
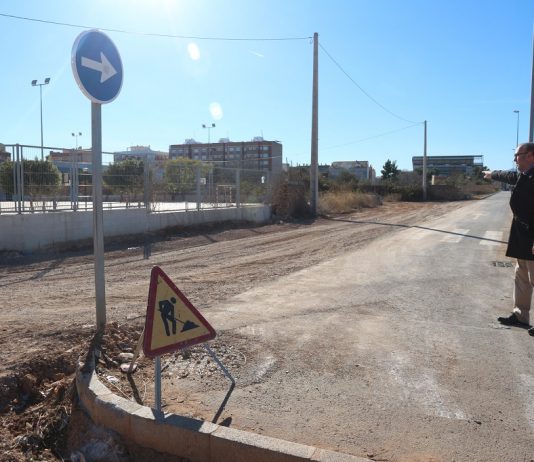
449 165
258 154
140 153
359 168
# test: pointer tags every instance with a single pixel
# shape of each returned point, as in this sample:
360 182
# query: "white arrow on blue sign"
97 66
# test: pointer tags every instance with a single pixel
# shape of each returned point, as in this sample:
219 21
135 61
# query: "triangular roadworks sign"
172 322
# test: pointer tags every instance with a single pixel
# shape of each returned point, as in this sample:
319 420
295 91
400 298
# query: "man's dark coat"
522 204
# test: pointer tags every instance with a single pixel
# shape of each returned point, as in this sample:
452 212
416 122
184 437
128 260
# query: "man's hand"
487 174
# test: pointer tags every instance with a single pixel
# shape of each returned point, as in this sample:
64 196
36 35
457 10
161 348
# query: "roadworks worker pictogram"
176 324
166 308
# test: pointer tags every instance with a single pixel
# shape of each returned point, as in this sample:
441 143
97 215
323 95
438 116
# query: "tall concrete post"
314 167
424 166
531 130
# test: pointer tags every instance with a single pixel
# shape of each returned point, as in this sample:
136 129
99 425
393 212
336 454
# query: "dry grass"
346 201
393 197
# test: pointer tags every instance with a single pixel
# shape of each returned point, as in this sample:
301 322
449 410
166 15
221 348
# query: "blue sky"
462 65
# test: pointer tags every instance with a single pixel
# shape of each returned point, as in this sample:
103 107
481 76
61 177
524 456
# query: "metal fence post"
75 183
72 182
238 188
15 176
20 161
146 184
197 180
269 185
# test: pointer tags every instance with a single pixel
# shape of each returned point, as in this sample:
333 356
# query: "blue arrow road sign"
97 66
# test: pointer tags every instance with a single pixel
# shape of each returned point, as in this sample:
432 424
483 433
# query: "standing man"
521 240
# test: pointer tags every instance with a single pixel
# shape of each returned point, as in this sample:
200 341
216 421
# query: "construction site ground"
48 319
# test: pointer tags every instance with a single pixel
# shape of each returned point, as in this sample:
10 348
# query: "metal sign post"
98 216
97 69
220 364
157 384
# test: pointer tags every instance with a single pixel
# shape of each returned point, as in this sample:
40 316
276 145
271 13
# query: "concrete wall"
37 231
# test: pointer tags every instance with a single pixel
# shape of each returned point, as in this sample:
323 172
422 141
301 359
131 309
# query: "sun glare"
216 111
194 51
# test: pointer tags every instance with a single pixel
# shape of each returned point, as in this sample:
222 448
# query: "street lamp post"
76 134
517 129
40 85
209 127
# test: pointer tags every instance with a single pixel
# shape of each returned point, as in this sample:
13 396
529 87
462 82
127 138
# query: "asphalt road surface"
392 351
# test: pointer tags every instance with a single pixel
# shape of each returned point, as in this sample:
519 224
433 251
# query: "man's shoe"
531 331
512 320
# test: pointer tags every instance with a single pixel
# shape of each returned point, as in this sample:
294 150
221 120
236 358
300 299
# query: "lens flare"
194 51
216 111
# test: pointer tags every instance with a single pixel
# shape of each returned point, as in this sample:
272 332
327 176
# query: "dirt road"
48 308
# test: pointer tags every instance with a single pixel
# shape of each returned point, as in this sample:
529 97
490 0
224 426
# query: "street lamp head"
34 82
516 111
47 81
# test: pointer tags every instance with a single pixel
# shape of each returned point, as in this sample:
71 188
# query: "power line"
372 137
365 139
149 34
363 91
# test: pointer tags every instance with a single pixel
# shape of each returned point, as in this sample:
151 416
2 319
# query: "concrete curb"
192 439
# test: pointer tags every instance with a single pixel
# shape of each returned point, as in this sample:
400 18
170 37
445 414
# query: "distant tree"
345 181
325 183
6 176
180 175
457 180
41 178
430 172
409 178
390 171
125 177
299 174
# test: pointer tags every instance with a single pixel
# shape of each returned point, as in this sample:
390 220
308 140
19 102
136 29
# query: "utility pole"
531 130
424 166
314 167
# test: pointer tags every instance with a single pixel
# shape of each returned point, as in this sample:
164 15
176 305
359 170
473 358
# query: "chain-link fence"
54 179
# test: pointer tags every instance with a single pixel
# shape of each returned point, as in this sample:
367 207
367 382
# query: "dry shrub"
346 201
393 197
289 201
